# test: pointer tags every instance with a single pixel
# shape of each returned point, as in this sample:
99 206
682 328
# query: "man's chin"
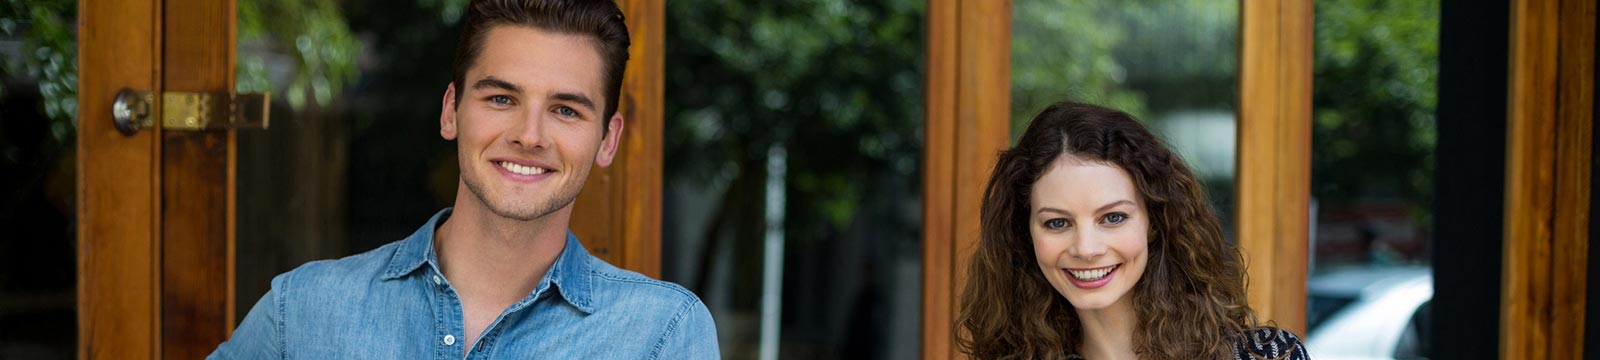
523 212
523 209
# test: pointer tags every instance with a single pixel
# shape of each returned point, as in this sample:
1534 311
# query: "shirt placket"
449 332
486 341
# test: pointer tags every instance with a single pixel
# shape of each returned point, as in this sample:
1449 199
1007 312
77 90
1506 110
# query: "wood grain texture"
967 125
1274 156
618 214
1530 159
1574 141
118 228
938 182
197 184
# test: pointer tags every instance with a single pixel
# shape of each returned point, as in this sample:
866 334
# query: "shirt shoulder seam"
672 327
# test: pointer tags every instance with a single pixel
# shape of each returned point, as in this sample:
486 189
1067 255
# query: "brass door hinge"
190 111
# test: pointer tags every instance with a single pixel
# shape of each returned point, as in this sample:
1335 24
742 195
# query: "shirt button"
449 340
437 280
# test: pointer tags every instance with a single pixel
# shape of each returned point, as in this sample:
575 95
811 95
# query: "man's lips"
524 170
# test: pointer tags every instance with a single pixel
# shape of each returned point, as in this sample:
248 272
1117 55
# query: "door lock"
189 111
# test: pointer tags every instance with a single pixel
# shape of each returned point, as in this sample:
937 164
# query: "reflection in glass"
1373 141
792 202
38 179
353 159
1172 64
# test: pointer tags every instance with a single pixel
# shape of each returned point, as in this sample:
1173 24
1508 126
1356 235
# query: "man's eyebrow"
492 82
576 98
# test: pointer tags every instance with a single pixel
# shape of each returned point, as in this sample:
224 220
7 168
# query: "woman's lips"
1091 284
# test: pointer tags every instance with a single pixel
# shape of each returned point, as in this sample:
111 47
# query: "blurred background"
794 145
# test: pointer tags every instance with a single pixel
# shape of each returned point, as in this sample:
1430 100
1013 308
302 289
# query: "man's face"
529 121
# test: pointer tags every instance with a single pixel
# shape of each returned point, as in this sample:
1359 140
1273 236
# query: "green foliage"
1376 78
1143 56
49 53
836 82
311 34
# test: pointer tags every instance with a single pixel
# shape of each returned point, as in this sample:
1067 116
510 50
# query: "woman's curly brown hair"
1190 302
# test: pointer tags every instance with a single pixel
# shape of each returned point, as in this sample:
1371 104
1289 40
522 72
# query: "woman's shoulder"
1269 343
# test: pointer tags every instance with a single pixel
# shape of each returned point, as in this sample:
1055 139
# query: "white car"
1370 313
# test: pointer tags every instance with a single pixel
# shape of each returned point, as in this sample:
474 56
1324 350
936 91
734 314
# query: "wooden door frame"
119 297
1548 153
155 208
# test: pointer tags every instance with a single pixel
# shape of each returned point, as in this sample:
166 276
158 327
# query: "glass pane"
38 142
353 159
1171 64
793 190
1373 141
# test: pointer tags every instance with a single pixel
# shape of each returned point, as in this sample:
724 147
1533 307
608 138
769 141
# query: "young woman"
1098 243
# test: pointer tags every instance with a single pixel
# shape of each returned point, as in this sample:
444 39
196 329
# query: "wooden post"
1274 179
1547 176
968 124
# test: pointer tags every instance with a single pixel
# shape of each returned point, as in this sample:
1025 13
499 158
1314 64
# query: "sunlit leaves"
47 52
299 48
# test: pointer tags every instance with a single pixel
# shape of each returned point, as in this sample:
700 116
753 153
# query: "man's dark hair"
599 19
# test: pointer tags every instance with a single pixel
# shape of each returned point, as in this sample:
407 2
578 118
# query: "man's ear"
608 145
447 113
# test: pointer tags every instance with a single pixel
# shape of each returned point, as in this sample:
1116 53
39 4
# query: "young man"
532 105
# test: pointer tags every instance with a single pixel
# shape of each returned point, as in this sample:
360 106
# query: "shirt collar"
572 274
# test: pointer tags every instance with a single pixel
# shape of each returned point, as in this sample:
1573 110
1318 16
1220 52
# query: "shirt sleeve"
260 336
692 335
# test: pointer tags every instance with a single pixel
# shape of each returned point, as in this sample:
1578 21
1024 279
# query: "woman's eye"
500 100
566 111
1115 218
1056 223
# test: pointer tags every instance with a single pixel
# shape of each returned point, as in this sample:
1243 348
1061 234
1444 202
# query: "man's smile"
522 170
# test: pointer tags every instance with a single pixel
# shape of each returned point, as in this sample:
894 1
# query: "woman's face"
1089 230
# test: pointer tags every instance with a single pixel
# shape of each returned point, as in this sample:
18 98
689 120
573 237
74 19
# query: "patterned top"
1262 343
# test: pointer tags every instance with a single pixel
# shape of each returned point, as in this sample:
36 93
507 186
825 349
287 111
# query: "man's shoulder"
634 289
644 302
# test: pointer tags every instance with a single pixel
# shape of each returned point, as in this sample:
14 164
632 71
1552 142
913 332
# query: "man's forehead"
529 56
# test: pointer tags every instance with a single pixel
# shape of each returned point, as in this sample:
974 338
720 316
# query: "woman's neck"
1108 332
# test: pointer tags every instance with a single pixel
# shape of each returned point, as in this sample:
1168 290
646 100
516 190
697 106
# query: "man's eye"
566 111
1055 224
1115 218
500 99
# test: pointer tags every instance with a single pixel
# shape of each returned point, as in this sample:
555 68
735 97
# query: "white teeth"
523 170
1091 275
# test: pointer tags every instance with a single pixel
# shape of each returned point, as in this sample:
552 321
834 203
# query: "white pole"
772 264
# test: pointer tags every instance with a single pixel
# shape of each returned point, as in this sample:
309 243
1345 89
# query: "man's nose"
528 133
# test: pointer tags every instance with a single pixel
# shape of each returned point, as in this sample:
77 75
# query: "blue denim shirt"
393 303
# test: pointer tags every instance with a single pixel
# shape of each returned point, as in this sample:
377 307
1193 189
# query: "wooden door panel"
118 252
197 184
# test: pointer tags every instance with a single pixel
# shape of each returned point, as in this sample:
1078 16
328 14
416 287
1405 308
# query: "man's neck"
1108 332
495 259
